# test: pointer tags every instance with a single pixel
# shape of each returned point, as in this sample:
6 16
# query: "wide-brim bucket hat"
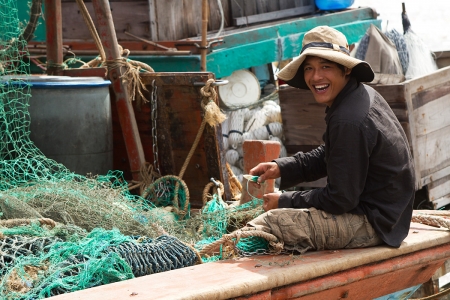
330 44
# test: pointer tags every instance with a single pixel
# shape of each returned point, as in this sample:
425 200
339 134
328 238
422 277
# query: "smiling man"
370 189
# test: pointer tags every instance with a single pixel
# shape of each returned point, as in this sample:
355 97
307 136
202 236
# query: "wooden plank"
262 6
392 93
75 28
171 25
432 152
441 202
422 84
215 17
274 15
153 26
237 8
428 95
286 4
192 18
439 188
424 247
250 7
413 142
272 5
433 116
436 175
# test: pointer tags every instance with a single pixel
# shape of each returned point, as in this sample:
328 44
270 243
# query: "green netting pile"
62 232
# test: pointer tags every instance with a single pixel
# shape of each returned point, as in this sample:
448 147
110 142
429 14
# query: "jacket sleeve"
347 169
302 167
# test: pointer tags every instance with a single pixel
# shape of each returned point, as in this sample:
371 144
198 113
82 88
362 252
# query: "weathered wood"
152 20
274 15
54 37
125 111
368 273
286 4
214 15
432 151
179 115
75 28
433 116
439 188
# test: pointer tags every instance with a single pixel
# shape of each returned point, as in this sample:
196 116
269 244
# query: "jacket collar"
351 85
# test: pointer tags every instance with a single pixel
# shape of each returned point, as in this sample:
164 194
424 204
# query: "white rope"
232 157
265 132
225 129
283 151
236 128
248 113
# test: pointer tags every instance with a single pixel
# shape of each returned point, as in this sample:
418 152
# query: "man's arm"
302 167
347 169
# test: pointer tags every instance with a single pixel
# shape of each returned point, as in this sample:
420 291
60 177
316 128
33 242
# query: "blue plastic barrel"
334 4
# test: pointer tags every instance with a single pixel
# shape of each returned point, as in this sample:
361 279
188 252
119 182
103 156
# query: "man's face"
324 78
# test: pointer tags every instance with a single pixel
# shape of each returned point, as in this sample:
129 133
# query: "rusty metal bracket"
216 83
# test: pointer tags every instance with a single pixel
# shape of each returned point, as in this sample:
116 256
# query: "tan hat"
328 43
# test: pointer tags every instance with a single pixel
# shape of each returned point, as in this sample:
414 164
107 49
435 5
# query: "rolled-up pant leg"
311 229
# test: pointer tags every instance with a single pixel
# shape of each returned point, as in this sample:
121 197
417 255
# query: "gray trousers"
311 229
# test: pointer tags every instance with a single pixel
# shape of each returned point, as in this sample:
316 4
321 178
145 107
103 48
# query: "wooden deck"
352 274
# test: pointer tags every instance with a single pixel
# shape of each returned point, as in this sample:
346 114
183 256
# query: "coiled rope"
229 241
431 220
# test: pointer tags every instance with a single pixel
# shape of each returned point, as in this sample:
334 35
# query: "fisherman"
369 195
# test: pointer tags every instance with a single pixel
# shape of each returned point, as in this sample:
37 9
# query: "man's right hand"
270 201
267 170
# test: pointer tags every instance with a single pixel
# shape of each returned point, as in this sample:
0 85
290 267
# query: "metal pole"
53 21
203 49
125 110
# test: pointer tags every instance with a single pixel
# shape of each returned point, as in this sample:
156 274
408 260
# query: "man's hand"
270 201
267 170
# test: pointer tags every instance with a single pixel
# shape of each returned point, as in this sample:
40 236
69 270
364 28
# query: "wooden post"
53 21
153 21
204 50
124 108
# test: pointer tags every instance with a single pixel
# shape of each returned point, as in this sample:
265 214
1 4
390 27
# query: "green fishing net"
94 230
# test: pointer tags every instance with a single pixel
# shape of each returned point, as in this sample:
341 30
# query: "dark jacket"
368 162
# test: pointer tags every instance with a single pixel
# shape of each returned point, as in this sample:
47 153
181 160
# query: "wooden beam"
153 20
54 36
126 114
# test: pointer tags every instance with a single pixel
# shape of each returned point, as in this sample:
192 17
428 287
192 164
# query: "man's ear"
347 71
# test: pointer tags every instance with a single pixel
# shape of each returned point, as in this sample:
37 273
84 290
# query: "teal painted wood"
268 32
400 295
23 12
225 61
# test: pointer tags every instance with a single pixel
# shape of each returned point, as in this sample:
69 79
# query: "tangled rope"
154 194
431 220
132 68
229 241
206 196
21 222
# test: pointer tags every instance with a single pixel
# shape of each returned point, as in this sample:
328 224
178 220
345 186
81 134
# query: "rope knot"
213 114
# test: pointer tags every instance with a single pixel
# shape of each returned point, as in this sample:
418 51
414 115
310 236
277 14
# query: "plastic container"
333 4
71 121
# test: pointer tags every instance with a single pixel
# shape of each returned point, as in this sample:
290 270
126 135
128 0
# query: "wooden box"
178 115
422 105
